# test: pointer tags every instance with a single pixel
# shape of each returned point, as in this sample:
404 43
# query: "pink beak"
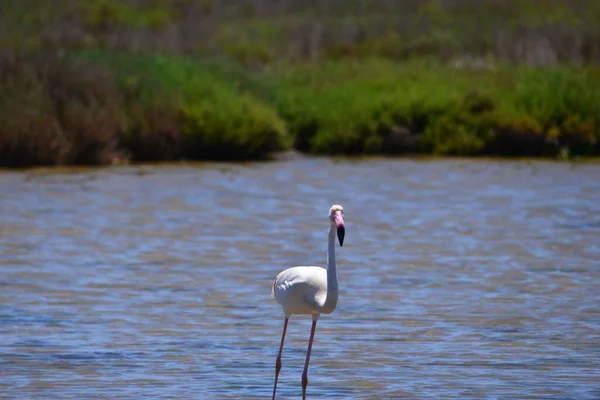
338 218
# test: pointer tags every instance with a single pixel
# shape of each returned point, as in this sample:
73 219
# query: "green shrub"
349 107
376 106
89 107
190 110
56 111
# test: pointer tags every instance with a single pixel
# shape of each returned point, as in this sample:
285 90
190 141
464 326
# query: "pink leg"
305 373
278 362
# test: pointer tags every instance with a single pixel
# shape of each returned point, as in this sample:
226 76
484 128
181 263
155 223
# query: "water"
458 279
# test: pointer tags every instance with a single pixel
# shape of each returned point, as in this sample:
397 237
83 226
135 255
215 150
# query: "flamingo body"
303 290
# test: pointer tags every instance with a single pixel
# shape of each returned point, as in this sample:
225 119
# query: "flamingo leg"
305 373
278 362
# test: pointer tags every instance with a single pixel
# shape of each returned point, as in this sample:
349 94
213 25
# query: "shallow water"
458 279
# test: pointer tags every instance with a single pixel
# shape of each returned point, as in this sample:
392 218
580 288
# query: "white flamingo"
309 290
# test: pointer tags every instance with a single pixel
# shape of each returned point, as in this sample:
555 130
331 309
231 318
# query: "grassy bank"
99 81
95 107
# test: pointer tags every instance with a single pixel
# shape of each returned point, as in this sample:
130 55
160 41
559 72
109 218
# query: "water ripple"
458 279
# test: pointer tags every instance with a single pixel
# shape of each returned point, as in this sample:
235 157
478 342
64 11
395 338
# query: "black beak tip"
341 232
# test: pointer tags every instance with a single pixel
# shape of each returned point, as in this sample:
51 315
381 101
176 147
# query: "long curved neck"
332 282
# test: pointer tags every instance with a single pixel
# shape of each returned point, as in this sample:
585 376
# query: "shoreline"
139 168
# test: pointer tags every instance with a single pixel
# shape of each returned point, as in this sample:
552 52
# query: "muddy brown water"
458 279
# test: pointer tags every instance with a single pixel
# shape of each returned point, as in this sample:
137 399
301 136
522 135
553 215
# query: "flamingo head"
336 214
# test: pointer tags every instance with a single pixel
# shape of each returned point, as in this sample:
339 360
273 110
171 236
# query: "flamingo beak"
338 219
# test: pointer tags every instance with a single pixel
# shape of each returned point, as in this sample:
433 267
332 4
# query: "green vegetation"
382 107
109 80
98 108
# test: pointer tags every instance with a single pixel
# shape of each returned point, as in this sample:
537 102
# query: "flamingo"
309 290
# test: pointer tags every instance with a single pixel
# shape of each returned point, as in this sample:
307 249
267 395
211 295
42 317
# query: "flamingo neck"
332 282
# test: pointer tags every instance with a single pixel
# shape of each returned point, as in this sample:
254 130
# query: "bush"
378 106
92 107
348 107
56 111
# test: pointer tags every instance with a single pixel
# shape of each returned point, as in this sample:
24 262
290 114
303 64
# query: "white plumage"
303 290
309 290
